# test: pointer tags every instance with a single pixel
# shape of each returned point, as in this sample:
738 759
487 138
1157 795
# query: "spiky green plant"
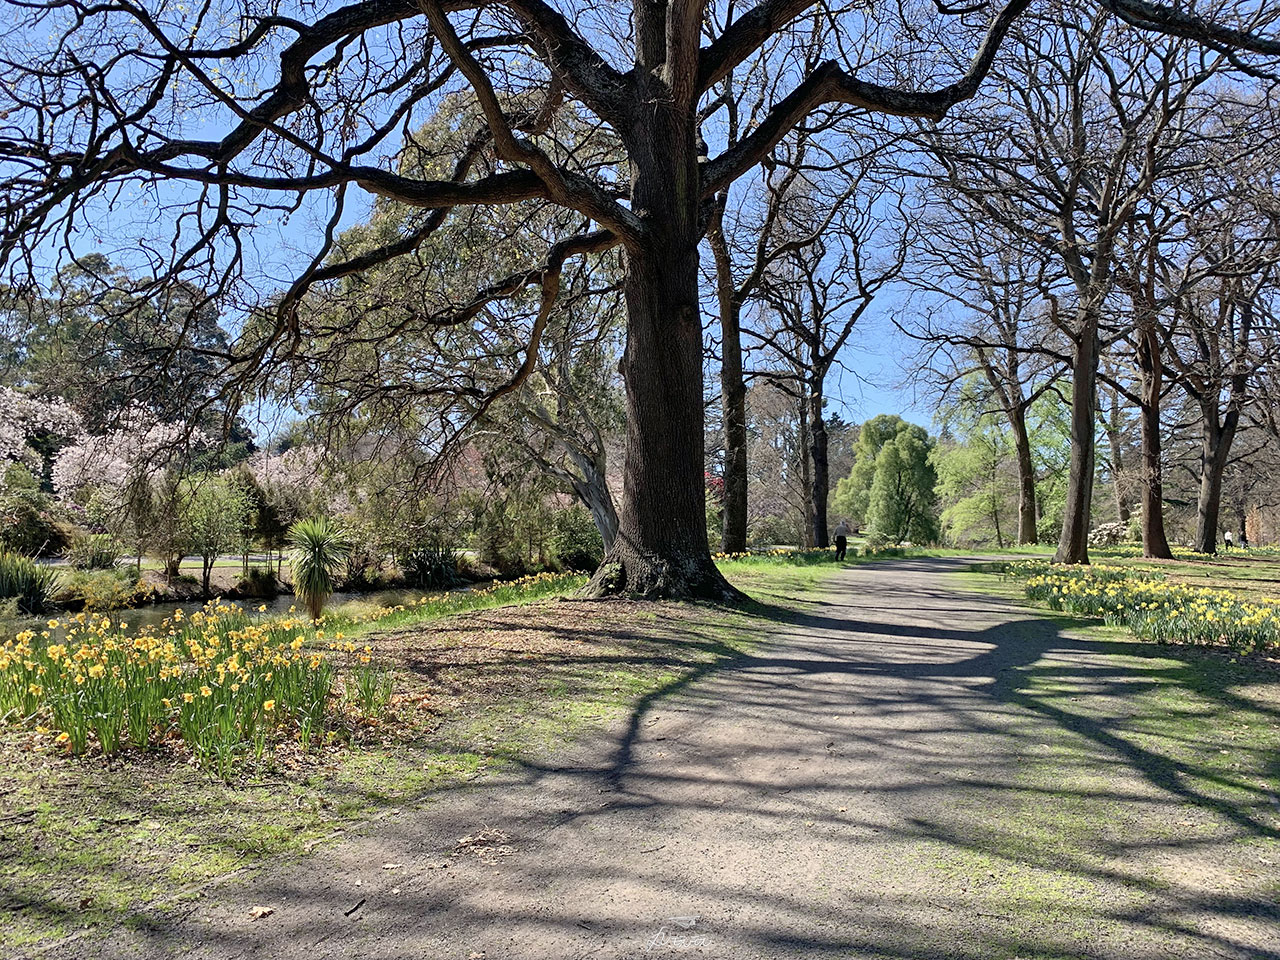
318 549
32 583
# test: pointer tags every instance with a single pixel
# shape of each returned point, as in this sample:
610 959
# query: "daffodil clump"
1153 609
787 556
220 681
774 552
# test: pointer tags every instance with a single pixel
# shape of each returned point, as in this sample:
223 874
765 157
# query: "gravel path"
871 782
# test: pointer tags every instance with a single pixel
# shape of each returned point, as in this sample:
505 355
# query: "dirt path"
880 779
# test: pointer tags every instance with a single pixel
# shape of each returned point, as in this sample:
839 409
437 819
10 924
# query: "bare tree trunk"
661 549
1073 544
1026 477
593 491
1155 543
1117 459
806 474
1215 448
995 502
821 474
733 401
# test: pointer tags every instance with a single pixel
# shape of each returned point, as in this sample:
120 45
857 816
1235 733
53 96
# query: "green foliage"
524 590
216 518
853 493
93 551
1049 425
111 589
318 550
977 479
258 582
901 501
367 537
30 583
575 541
370 687
770 529
100 680
512 521
430 566
27 524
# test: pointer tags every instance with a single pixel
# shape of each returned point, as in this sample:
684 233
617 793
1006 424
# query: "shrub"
30 583
575 541
258 582
878 542
765 532
26 524
318 550
101 589
93 551
362 569
430 566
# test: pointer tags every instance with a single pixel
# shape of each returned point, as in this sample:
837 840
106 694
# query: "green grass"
1139 768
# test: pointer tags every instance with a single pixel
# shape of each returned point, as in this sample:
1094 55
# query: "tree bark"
733 399
592 489
1027 532
661 548
806 474
1073 544
1117 460
1155 543
821 480
1215 448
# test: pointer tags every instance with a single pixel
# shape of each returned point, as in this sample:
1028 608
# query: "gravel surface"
869 782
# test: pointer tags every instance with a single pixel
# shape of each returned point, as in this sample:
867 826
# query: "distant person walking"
1226 539
841 533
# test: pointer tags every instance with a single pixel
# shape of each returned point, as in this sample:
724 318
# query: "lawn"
1173 744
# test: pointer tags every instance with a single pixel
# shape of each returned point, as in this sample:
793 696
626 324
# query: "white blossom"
110 461
23 417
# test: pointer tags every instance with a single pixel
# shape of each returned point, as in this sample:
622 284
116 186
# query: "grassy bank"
93 840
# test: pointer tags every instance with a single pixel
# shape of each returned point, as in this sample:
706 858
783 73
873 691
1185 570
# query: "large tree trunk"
1215 449
1073 544
1026 476
661 549
821 480
1155 543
